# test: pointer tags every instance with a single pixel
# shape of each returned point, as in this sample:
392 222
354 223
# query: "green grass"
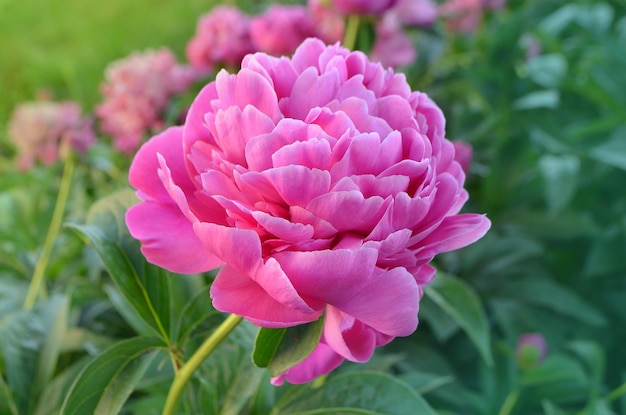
65 45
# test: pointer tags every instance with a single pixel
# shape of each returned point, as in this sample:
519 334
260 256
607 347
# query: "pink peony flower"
414 12
40 128
222 37
463 152
330 24
322 184
136 92
462 16
281 29
377 7
393 47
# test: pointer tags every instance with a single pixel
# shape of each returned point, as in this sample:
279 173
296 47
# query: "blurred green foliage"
540 93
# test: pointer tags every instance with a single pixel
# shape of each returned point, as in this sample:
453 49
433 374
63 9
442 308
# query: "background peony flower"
462 16
376 7
222 37
322 184
414 12
136 91
330 25
393 47
39 128
281 29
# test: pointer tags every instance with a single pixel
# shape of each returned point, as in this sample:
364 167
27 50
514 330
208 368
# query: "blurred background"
537 88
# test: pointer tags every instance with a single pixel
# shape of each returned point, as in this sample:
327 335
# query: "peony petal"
387 301
284 229
348 211
143 171
351 339
298 185
310 90
329 275
247 88
455 232
167 238
235 292
314 154
239 248
321 361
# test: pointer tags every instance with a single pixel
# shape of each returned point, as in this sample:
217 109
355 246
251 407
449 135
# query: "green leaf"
7 404
106 382
555 369
143 285
548 98
461 302
560 175
612 152
30 341
361 392
555 297
55 391
229 379
280 349
547 70
594 359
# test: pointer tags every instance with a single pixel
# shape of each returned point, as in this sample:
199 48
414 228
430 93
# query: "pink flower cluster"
39 129
321 184
222 37
136 91
464 16
226 34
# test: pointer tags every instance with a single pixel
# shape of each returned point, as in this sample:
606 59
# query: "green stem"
184 374
352 29
36 283
509 403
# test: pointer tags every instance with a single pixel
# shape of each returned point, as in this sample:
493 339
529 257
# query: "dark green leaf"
594 359
547 70
560 175
548 98
460 301
370 393
612 152
556 297
229 378
7 404
30 341
143 285
280 349
106 382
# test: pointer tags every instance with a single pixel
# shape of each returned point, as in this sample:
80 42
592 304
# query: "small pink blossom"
462 16
281 29
463 152
393 46
136 91
494 4
40 128
531 350
414 12
376 7
322 184
222 38
330 24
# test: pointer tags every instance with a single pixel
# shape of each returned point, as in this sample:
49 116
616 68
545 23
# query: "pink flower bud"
531 350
